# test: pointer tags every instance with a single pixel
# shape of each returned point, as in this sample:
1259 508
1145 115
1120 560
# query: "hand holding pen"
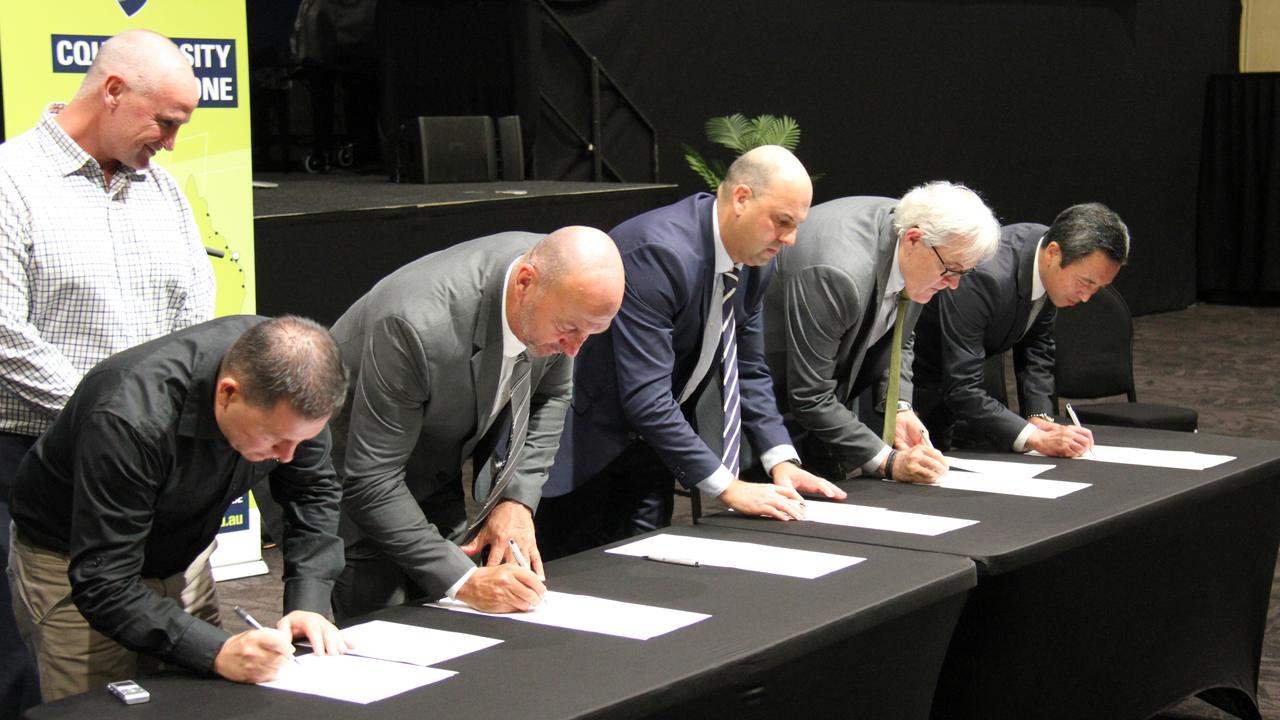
1075 420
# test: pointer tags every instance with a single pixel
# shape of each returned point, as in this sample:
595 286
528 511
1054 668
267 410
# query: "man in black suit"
631 427
1011 302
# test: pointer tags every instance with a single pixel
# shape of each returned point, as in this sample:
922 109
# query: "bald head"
567 287
765 167
139 91
148 62
581 259
761 202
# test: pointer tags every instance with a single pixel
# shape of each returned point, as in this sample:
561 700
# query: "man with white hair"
842 309
98 253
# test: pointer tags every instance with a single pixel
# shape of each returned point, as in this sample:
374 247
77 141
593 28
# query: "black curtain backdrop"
1239 260
1037 104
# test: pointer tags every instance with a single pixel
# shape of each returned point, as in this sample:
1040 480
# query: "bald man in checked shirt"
98 252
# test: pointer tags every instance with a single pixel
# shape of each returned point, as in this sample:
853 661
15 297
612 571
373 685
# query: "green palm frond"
740 134
700 166
732 131
770 130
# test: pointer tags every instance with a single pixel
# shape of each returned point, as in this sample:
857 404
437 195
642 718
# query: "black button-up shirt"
132 480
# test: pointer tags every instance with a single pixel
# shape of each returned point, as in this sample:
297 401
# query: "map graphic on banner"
45 49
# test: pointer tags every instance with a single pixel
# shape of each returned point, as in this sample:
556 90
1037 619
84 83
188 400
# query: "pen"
924 433
520 559
673 560
248 620
1075 419
515 553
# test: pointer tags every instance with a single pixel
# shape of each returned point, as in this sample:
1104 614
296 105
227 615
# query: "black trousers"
632 495
19 684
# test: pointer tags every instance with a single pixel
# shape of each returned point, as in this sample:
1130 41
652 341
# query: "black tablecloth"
1114 601
866 641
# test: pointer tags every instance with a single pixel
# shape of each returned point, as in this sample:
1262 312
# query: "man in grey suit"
830 316
447 355
1010 303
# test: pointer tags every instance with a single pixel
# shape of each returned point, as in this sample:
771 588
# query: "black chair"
1095 360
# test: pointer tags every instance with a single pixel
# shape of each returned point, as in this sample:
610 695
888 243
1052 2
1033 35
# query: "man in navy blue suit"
634 424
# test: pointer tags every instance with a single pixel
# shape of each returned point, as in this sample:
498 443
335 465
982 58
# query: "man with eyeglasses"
1011 303
861 266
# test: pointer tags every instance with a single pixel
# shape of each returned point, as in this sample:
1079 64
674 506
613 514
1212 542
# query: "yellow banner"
45 48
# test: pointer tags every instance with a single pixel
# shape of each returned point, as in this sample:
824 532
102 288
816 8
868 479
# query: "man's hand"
772 501
502 588
908 431
513 520
1060 440
918 464
253 656
324 637
790 475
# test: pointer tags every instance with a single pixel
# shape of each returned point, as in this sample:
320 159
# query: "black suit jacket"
986 315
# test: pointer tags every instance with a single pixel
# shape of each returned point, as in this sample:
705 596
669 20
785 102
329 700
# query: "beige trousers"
70 656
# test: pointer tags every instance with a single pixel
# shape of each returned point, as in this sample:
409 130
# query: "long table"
1114 601
866 641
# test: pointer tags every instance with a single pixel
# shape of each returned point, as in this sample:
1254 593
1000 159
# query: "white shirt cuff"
779 454
717 482
1020 442
452 592
872 466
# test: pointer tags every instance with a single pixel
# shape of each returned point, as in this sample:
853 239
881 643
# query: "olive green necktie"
895 372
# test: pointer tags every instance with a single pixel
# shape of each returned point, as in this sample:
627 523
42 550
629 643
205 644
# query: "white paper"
593 614
741 555
1176 459
397 642
876 518
1009 485
353 678
998 467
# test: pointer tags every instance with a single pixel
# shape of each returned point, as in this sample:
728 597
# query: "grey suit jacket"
819 315
987 315
424 347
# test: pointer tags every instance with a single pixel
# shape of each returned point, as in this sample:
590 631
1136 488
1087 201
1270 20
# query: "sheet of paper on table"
1008 485
755 557
353 678
593 614
1175 459
877 518
997 467
398 642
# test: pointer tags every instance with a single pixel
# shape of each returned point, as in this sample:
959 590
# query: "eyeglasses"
947 270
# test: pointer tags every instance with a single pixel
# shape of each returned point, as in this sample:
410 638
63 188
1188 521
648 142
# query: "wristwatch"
1043 416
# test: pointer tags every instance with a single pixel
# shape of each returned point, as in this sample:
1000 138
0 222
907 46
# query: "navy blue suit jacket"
626 380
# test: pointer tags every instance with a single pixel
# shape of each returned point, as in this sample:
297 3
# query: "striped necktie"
520 391
729 373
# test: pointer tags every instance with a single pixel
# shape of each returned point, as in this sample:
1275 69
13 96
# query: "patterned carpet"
1220 360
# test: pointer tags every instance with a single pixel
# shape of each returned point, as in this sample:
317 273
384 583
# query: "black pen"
248 619
673 560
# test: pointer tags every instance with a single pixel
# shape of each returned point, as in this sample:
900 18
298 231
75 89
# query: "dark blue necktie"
729 372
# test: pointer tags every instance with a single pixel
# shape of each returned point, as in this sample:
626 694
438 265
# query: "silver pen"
520 559
673 560
1075 419
248 620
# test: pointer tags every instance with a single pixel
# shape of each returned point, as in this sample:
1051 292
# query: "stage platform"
321 241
